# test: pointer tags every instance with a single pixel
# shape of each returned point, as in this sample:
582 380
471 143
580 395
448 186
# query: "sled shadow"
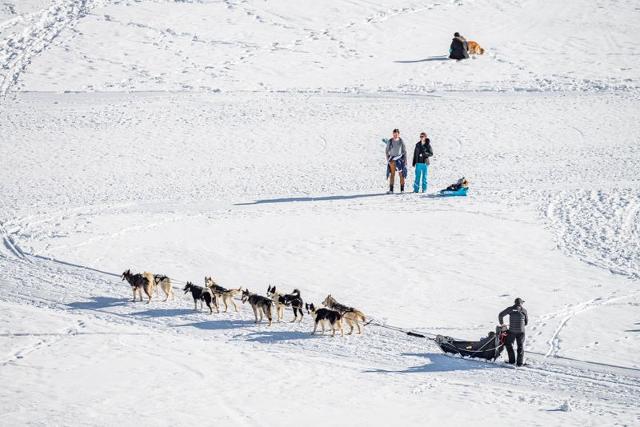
428 59
98 302
218 324
309 199
269 337
439 363
632 330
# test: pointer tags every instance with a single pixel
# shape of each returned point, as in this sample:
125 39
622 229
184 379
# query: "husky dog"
293 299
199 294
164 283
226 295
350 314
324 315
259 304
138 283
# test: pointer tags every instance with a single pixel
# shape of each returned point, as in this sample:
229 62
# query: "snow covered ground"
241 139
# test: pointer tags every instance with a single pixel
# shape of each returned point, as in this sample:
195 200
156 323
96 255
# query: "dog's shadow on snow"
218 324
269 337
99 302
439 363
428 59
164 312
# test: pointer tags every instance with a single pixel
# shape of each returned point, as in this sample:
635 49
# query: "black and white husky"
199 294
260 304
138 283
323 316
292 300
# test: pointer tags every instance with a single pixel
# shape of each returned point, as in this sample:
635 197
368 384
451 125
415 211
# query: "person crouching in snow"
459 48
396 160
421 155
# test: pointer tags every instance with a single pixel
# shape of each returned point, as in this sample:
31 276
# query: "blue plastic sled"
449 193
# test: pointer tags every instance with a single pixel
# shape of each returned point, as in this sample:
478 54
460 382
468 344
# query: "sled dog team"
331 316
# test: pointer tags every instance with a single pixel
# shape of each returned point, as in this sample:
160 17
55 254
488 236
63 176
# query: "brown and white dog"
350 314
474 48
226 295
161 281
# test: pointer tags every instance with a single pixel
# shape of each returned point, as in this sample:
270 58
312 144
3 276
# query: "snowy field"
241 140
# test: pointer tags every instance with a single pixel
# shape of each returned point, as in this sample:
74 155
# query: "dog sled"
488 348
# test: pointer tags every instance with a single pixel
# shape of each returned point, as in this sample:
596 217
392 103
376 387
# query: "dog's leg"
255 313
234 304
269 316
315 327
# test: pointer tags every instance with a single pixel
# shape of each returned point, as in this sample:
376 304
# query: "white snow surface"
241 140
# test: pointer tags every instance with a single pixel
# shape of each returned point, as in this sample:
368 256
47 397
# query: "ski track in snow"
18 50
602 228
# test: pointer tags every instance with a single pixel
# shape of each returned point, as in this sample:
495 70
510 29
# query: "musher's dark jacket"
518 318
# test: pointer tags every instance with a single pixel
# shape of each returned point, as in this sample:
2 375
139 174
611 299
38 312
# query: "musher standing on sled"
396 153
518 319
421 155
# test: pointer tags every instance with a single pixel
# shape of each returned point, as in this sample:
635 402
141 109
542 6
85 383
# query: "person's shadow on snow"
428 59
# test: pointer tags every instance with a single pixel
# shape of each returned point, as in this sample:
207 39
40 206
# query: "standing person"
421 155
459 48
396 154
518 319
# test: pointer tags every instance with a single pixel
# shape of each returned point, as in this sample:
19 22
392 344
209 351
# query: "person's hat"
518 301
456 34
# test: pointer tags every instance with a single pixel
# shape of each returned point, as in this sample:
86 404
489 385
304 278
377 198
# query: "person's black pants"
518 337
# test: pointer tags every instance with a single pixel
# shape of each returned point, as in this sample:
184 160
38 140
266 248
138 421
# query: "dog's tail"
296 292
